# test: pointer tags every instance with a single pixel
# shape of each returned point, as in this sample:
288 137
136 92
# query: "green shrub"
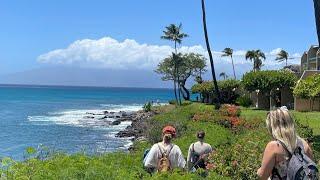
173 102
244 101
308 88
242 158
230 90
186 103
147 107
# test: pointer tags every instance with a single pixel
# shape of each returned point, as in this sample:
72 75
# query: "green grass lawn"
238 154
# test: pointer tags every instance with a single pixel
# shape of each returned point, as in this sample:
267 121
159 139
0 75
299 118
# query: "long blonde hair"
281 126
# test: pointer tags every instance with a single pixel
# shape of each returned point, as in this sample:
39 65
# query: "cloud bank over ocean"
109 53
109 62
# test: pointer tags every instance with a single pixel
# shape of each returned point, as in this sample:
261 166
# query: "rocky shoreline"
134 131
137 128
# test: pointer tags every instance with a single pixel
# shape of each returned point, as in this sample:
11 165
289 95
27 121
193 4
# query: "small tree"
189 65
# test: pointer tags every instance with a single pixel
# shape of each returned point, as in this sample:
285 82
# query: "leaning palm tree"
210 55
224 75
256 56
283 56
229 52
174 33
317 15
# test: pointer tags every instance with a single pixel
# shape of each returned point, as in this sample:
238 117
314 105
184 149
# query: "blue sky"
33 28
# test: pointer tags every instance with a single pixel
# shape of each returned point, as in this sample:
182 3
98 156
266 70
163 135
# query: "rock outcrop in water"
138 121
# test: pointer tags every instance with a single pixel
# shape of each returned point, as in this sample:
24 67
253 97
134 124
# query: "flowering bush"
230 110
229 116
242 158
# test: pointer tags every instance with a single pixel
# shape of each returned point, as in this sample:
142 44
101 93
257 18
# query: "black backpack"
195 159
300 166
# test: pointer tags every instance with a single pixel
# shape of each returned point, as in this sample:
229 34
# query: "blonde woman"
277 153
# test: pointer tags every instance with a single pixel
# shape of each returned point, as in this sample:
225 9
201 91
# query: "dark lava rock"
116 122
88 117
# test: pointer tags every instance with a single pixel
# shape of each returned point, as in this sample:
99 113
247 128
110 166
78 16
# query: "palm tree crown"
256 56
174 33
229 52
283 56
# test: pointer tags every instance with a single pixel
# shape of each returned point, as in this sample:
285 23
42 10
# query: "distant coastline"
72 86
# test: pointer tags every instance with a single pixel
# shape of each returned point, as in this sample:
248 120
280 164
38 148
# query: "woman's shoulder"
274 146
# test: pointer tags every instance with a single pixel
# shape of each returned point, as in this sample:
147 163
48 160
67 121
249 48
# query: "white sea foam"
89 118
122 107
82 118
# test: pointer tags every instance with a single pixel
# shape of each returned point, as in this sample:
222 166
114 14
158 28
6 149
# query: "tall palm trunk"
210 55
234 71
317 15
177 72
175 91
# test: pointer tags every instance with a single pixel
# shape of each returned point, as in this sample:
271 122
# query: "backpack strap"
170 149
192 148
162 152
285 148
275 173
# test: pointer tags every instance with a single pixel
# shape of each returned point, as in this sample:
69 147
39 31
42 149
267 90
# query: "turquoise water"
53 117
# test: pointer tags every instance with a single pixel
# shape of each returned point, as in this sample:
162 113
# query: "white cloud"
111 54
274 52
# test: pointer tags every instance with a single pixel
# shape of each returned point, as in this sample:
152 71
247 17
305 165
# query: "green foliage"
244 101
181 66
308 88
265 81
173 102
230 90
147 107
256 56
241 158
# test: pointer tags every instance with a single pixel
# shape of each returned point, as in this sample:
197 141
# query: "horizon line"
76 86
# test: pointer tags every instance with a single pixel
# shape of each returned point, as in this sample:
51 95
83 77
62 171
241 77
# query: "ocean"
53 117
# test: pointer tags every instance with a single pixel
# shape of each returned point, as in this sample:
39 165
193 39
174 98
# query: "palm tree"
229 52
256 56
317 15
173 33
283 56
224 75
210 55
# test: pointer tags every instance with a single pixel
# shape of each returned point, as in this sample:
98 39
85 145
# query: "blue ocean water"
53 117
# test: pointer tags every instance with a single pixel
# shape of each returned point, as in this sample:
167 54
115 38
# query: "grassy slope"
311 119
129 166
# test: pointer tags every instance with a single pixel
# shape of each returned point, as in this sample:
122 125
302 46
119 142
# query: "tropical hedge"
308 88
230 90
269 80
